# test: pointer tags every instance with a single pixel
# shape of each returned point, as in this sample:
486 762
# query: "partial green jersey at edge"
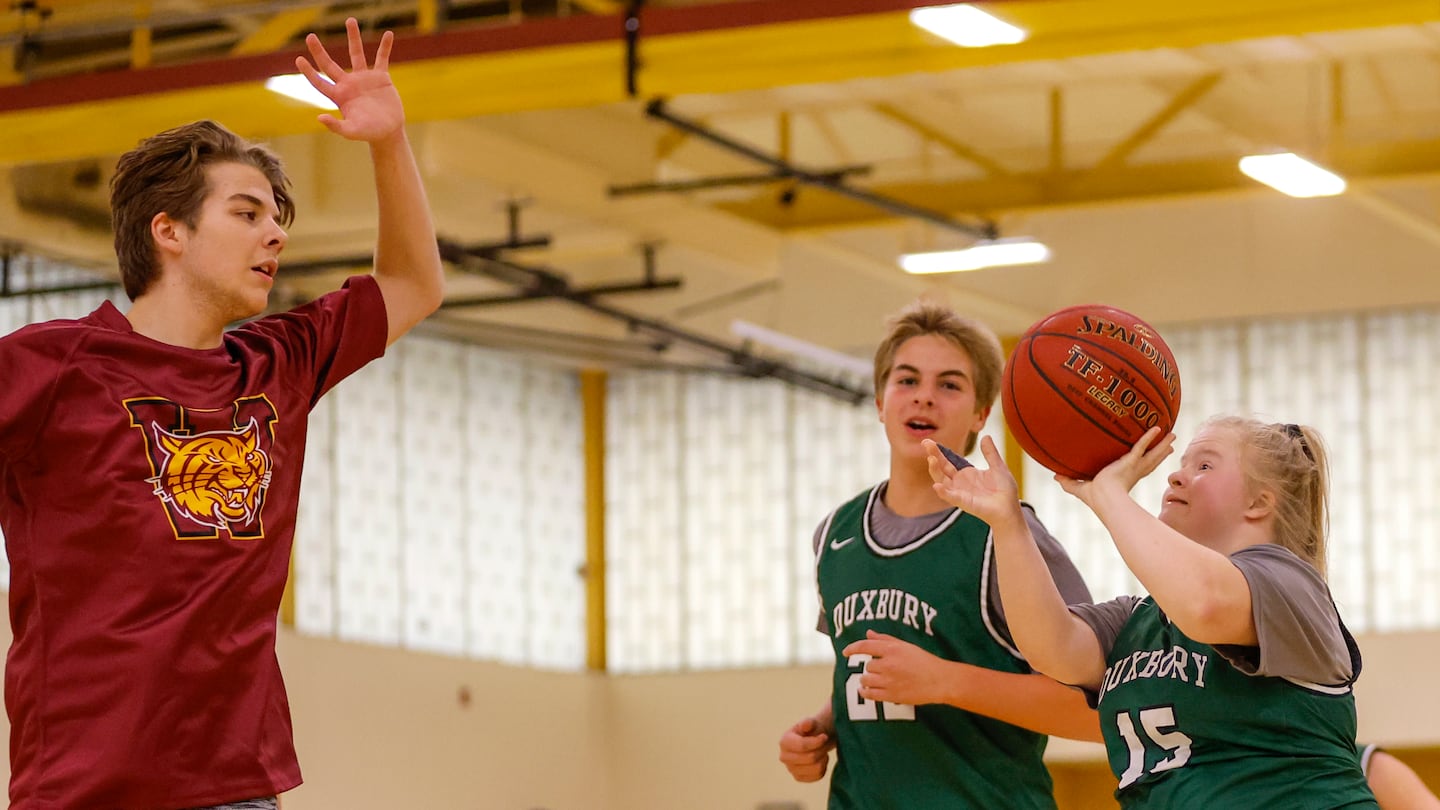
1186 730
930 592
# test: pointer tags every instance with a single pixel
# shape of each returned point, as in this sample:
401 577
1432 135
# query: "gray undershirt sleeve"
1295 620
1106 619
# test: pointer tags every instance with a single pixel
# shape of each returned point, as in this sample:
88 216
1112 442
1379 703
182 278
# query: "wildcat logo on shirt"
211 469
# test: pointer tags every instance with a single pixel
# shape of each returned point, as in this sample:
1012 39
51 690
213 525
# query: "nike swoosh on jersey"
836 545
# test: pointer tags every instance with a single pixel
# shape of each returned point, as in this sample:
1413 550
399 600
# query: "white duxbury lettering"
1153 664
882 605
1172 664
1134 661
912 607
930 614
868 611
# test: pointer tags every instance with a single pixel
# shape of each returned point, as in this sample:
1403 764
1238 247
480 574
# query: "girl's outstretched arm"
1199 589
1053 639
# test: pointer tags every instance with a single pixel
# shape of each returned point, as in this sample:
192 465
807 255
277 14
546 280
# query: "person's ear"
1261 506
167 232
981 417
880 405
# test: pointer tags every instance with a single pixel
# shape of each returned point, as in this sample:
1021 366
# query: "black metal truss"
830 180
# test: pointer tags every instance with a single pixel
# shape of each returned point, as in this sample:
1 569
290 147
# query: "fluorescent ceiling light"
801 348
966 25
986 253
296 86
1292 175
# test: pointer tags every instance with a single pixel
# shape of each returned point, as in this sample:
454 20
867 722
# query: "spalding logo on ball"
1084 384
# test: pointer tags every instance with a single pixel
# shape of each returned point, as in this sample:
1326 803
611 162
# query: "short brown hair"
929 318
167 173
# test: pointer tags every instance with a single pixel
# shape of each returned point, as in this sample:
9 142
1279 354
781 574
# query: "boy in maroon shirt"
150 465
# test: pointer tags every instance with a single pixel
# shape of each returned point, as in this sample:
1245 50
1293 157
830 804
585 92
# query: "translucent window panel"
643 507
368 522
715 486
448 529
837 451
494 533
1079 532
1308 371
432 493
736 480
525 519
1402 480
550 438
315 541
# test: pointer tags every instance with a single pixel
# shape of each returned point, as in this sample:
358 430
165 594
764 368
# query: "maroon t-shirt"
147 497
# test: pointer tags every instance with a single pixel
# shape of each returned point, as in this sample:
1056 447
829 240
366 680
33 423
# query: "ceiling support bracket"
979 228
740 358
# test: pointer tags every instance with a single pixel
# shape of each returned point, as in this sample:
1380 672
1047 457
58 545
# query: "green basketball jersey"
930 592
1186 730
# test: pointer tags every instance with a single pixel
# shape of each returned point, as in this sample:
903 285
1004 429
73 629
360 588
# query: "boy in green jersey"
931 704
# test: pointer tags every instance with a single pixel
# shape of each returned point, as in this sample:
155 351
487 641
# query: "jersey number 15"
1157 725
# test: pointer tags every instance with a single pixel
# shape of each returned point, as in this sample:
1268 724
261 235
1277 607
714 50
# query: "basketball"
1084 384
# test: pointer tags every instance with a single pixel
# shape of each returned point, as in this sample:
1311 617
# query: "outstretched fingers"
993 459
382 53
321 59
1152 451
356 43
939 466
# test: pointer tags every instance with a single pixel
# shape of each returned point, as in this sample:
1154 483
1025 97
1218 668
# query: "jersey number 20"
859 708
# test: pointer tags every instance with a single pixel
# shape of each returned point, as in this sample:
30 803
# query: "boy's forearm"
406 253
1030 701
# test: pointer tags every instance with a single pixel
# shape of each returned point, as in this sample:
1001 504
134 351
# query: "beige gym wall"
383 729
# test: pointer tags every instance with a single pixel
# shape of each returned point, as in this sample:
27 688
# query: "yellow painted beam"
1056 118
930 133
600 6
277 31
1014 455
592 399
667 143
1143 133
142 53
818 209
720 61
8 68
287 596
427 16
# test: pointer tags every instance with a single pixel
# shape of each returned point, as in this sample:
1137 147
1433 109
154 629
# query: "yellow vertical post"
427 16
141 50
1014 456
287 598
592 399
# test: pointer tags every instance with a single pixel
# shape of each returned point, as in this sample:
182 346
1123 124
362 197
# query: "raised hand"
1124 472
368 101
989 494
